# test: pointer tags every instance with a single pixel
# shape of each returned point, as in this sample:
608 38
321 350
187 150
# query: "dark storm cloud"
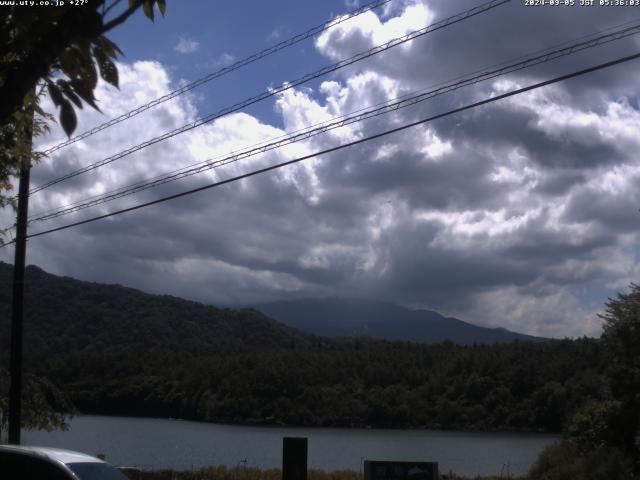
546 248
558 182
421 272
613 211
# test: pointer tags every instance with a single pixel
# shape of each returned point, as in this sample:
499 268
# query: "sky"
522 213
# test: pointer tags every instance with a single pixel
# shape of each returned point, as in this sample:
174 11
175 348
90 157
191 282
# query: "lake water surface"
160 443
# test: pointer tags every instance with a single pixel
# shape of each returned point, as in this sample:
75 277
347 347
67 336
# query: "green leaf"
108 47
109 72
55 94
162 6
69 62
89 76
85 93
147 7
38 109
68 118
66 89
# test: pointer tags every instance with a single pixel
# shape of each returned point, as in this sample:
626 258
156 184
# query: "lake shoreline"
266 424
182 445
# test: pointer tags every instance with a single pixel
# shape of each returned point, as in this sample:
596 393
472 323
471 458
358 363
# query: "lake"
160 443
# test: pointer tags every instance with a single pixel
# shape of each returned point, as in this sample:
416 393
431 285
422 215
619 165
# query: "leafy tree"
15 142
45 406
622 340
565 461
602 440
591 428
66 44
62 50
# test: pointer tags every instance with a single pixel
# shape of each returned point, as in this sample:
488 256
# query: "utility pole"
17 311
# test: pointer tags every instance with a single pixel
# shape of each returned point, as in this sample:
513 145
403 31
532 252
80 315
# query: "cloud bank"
521 214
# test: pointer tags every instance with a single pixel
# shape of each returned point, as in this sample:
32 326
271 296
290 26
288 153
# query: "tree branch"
110 7
121 18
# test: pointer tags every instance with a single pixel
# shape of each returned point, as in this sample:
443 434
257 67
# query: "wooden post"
294 458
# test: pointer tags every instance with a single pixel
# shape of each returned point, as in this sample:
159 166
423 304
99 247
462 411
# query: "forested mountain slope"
116 350
64 315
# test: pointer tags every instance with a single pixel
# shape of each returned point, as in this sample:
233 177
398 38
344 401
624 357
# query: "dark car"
44 463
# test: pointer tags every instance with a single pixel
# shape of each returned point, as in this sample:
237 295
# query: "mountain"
64 315
376 319
68 315
118 351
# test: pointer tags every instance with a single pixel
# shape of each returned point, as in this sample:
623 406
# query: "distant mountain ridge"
68 315
65 315
382 320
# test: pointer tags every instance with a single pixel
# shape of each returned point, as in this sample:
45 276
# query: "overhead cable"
363 114
344 145
219 73
274 91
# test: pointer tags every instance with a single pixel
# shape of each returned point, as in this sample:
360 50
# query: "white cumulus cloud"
186 45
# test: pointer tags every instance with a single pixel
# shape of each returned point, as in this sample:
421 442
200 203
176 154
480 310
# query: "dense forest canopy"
116 350
356 383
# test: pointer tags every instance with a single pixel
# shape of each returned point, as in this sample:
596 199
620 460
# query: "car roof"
59 454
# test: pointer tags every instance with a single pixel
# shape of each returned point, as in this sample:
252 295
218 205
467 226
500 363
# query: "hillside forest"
114 350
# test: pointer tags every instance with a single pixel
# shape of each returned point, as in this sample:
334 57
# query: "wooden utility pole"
17 311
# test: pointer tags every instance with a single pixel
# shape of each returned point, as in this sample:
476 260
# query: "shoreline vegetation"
262 424
237 473
516 387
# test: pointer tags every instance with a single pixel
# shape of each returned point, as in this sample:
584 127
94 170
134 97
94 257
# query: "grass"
224 473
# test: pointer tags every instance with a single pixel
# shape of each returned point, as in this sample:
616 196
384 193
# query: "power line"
345 145
286 86
552 53
358 116
219 73
595 37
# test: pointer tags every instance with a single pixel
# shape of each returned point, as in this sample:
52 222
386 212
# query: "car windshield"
95 471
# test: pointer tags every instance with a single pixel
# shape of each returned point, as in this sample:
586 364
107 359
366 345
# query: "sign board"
378 470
